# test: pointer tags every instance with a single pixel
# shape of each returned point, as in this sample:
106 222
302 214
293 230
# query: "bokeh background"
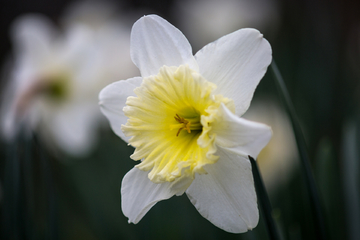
47 194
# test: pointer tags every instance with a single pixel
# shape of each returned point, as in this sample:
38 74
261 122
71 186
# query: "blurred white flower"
96 14
56 77
278 160
204 21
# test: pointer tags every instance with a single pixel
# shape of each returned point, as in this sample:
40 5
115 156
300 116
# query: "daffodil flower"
182 117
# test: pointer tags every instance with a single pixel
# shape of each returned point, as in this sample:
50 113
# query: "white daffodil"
182 117
56 77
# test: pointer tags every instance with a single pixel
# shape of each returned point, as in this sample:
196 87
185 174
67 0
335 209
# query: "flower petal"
33 35
242 136
155 43
73 127
113 100
139 194
226 195
236 63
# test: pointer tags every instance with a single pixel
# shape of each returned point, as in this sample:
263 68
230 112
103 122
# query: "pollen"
176 99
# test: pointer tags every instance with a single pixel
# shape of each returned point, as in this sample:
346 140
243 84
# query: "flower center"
57 87
187 124
170 123
54 88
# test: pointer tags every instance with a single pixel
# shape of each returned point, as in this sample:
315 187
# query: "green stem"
300 140
52 213
264 201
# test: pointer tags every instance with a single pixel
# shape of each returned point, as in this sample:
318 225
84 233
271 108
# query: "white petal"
240 135
73 127
236 63
78 45
226 195
113 100
155 43
139 194
33 35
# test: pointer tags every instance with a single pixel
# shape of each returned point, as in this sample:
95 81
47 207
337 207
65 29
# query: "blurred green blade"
264 201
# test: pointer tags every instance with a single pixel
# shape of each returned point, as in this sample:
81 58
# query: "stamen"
186 124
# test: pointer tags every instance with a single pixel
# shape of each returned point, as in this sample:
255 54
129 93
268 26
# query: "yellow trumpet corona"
176 99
